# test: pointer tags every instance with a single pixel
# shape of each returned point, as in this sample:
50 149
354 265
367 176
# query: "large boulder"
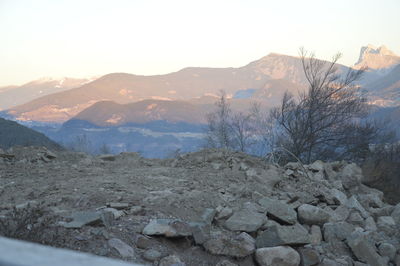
309 256
310 215
338 196
351 176
278 235
269 177
279 211
239 246
124 250
277 256
340 231
246 220
364 249
353 204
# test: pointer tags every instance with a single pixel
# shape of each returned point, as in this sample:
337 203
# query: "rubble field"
210 207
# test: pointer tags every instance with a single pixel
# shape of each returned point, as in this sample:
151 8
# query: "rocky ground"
204 208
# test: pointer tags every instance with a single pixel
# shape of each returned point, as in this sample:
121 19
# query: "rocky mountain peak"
377 57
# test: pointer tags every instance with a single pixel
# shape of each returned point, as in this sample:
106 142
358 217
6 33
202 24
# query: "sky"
86 38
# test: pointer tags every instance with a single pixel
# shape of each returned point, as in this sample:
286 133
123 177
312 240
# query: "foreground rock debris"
205 208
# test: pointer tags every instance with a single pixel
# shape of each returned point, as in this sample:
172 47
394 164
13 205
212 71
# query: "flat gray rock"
246 220
283 235
80 219
278 210
310 215
239 246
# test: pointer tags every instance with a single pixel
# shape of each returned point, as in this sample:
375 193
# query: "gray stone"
171 260
246 220
152 255
352 203
27 205
364 250
269 177
384 211
168 228
50 155
370 224
293 166
386 224
277 256
338 196
208 215
309 256
283 235
278 210
224 213
107 218
123 249
135 210
315 235
370 200
397 260
340 214
317 166
107 157
356 218
80 219
226 263
388 250
357 263
116 213
239 246
201 232
310 215
396 214
118 205
328 262
143 242
340 231
351 176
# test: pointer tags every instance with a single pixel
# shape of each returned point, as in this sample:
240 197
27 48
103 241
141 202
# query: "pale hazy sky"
82 38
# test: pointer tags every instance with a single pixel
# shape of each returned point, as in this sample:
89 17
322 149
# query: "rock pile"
226 208
318 214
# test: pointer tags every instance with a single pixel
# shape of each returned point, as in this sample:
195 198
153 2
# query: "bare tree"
243 131
316 120
263 131
218 133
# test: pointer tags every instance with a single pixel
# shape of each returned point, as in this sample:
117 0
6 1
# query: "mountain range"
127 104
268 77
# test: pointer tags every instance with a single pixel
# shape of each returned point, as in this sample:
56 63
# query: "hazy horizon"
91 38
